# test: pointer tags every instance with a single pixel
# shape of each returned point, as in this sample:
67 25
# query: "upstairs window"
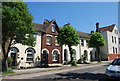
87 42
35 36
49 40
112 39
53 28
82 42
56 42
115 39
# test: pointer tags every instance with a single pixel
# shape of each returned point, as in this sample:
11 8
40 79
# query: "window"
13 50
116 50
82 42
49 40
112 40
113 50
30 55
55 56
35 36
115 39
56 42
87 42
119 49
53 27
119 40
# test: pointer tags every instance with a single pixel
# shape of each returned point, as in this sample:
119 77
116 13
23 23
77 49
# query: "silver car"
113 70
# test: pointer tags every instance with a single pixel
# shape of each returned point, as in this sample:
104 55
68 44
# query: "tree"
16 25
68 36
96 41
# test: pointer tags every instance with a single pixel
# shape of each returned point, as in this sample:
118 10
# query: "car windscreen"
116 62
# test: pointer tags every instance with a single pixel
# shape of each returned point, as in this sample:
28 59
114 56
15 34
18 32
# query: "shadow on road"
83 76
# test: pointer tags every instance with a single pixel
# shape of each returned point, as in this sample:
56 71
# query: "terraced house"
48 52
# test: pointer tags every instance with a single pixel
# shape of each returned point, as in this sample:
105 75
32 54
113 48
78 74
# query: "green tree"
68 36
96 41
16 25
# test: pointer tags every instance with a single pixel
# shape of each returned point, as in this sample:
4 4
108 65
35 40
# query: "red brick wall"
51 47
113 56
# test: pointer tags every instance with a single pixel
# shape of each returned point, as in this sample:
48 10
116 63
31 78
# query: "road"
92 73
88 74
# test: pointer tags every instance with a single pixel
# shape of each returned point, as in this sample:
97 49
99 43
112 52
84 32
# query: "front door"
13 56
45 58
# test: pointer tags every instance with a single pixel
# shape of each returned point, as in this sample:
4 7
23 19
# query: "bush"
74 63
79 61
66 63
9 71
9 61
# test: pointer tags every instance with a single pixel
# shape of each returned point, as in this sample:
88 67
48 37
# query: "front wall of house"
85 48
79 51
51 47
112 44
22 54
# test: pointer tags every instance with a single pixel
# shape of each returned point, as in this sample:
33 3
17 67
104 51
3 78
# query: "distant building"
111 36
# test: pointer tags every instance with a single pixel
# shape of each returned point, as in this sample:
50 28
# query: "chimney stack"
97 26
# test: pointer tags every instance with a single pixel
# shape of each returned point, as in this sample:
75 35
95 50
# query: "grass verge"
9 71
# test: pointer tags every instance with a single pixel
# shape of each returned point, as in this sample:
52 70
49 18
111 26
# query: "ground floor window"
55 56
30 55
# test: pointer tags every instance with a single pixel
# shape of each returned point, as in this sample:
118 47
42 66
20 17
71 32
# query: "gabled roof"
43 27
107 28
83 35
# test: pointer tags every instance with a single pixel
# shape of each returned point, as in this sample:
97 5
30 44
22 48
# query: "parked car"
113 70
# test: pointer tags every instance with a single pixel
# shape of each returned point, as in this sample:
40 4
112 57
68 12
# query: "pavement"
55 68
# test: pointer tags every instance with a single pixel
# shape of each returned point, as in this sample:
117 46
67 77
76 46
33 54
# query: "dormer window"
53 27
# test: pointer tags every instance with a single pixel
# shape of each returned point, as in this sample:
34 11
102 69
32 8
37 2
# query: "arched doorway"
74 54
65 55
44 57
13 54
85 56
91 56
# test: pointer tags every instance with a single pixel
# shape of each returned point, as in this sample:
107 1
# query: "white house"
80 49
111 50
25 56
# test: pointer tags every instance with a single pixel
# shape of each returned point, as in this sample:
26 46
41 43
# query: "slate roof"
39 27
43 27
83 35
107 28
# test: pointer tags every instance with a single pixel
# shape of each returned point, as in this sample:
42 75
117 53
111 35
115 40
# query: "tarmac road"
87 73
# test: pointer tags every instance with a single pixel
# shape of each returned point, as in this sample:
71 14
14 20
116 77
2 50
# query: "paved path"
40 72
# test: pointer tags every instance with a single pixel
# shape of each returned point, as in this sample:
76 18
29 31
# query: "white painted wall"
79 50
108 48
22 54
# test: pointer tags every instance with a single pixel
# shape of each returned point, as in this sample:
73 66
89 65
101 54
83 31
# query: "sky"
81 15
